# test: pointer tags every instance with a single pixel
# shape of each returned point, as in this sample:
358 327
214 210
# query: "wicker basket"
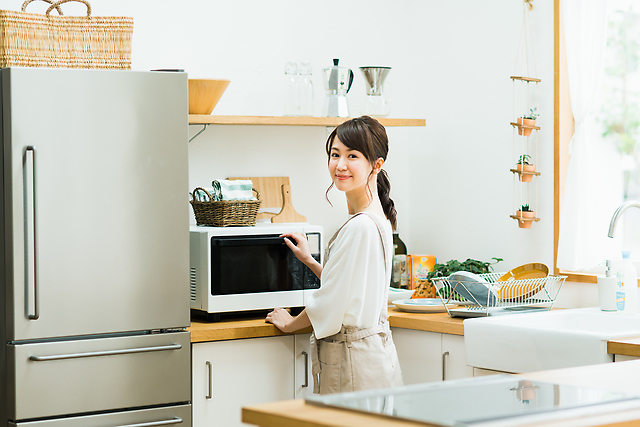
224 213
35 40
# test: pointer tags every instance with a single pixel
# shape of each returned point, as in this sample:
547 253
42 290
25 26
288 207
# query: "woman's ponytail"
384 188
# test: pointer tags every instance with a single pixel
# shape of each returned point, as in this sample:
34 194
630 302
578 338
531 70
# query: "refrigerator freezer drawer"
173 416
81 376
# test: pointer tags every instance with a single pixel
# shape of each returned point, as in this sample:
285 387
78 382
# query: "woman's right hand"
301 250
301 247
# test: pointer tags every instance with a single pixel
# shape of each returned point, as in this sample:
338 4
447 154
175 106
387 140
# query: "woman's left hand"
280 318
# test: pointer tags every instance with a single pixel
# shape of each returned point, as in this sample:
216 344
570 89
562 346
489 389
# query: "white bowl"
396 294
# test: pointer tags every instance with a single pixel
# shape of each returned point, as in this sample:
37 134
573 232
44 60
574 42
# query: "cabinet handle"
306 369
105 353
210 380
175 420
32 200
444 364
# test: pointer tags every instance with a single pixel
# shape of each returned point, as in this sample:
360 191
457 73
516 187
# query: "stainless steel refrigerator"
95 256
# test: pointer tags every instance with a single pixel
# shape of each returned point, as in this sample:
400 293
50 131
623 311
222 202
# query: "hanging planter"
523 165
527 120
524 212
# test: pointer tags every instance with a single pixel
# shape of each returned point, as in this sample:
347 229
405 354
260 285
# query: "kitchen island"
615 377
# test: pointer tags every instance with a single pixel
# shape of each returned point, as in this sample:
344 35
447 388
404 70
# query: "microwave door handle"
250 241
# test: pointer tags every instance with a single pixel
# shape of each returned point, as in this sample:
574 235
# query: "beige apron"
356 359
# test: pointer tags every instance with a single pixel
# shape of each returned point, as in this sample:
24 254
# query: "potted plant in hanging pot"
523 165
527 120
525 212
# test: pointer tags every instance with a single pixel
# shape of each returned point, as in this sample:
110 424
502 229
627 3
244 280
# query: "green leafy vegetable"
470 265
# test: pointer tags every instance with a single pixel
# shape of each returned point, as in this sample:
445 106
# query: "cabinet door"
304 379
454 359
420 355
228 375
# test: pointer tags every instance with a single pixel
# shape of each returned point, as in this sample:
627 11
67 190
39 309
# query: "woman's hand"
302 252
280 318
301 247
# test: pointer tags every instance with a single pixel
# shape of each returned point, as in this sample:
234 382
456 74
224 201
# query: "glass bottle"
291 89
399 271
306 89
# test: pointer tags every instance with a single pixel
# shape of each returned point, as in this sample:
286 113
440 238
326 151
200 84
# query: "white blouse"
354 281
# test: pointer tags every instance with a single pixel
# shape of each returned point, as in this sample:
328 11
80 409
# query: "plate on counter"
422 305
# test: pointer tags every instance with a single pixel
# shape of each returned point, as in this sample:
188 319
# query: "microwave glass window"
254 264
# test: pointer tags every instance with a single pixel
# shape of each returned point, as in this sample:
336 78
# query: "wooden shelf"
525 126
522 218
195 119
524 172
526 79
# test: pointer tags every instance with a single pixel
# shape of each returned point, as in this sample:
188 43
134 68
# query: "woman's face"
349 169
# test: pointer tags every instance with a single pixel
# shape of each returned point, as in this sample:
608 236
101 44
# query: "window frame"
564 127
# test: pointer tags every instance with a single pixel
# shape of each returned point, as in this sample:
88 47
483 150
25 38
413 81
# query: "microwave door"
253 264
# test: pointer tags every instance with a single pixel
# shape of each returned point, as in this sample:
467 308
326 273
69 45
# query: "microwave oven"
236 269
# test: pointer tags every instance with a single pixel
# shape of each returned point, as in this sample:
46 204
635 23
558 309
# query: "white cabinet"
303 377
227 375
420 355
454 359
430 356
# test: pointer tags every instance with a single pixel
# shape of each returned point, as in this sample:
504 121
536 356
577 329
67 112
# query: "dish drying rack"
502 297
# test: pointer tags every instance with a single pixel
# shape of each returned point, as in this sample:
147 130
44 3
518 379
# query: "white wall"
451 62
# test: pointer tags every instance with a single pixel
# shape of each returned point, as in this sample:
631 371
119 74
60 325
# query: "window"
614 130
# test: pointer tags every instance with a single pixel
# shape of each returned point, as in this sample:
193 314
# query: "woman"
351 346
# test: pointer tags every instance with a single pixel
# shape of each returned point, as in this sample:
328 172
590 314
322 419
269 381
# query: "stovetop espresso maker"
337 82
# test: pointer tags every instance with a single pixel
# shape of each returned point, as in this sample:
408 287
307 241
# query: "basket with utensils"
224 213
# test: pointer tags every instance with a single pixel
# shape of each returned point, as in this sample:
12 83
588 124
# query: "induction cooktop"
494 400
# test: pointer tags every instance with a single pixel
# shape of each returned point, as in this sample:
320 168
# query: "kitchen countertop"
624 346
257 328
620 377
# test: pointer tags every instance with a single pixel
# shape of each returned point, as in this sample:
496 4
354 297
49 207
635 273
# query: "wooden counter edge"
257 328
624 346
298 413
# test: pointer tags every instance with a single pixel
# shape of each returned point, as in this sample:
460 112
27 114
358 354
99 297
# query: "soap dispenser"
607 287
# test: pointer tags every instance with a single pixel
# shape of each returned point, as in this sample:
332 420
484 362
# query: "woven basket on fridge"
35 40
225 213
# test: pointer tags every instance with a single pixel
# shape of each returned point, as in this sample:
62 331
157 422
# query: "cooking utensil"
376 104
275 193
337 82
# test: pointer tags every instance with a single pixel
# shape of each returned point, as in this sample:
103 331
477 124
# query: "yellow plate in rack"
533 270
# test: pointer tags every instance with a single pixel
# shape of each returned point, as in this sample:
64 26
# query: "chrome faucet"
616 215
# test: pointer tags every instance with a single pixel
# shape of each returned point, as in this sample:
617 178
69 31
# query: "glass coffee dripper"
375 104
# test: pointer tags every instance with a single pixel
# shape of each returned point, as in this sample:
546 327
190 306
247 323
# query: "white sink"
538 341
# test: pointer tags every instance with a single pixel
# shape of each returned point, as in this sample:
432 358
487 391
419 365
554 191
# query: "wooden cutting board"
275 193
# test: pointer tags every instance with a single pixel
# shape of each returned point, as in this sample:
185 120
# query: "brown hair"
368 136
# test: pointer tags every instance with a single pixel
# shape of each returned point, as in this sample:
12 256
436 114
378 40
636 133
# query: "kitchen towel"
224 189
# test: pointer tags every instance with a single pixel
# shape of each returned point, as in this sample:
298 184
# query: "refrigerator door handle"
36 299
105 353
175 420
